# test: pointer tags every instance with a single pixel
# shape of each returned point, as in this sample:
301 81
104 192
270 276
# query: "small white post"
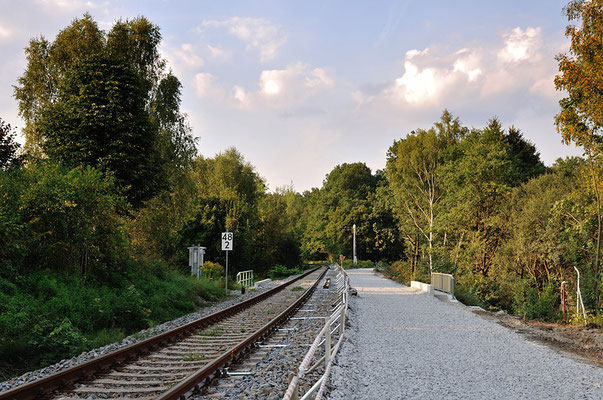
354 246
327 341
342 323
579 301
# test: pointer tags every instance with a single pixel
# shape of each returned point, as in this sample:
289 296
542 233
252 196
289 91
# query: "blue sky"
299 87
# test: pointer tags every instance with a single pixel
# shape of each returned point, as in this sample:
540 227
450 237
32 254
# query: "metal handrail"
338 316
245 278
579 301
443 282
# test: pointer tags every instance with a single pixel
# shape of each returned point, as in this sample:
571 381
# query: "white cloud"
187 55
417 86
203 83
427 78
469 64
545 87
294 84
435 78
319 78
285 88
217 53
520 45
5 33
257 33
271 82
241 96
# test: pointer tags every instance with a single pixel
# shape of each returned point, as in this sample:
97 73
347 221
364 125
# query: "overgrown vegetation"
280 271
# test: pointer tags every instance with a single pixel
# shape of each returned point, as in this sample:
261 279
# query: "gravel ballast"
404 344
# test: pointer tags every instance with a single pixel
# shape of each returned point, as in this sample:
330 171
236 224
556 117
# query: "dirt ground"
582 342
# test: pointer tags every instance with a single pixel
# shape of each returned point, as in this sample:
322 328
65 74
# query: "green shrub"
531 303
212 270
54 341
467 296
280 271
398 271
421 275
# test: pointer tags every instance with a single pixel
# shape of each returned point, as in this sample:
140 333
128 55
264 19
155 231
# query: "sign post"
355 259
227 243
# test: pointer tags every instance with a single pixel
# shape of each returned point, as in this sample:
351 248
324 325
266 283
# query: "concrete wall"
423 287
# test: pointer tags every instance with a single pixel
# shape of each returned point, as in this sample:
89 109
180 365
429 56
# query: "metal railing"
443 282
324 337
245 278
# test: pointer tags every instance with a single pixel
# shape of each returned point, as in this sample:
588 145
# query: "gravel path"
403 344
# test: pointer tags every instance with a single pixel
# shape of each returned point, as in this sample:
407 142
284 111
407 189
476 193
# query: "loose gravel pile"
403 344
137 337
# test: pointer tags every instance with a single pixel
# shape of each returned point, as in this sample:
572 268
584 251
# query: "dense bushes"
532 303
280 271
48 316
67 220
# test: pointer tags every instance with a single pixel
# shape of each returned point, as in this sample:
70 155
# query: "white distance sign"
227 241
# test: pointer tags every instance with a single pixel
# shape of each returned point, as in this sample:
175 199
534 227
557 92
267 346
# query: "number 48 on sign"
227 241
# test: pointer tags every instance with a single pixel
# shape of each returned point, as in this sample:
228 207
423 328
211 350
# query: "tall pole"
226 276
354 246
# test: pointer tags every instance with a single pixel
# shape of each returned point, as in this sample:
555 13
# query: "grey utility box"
195 259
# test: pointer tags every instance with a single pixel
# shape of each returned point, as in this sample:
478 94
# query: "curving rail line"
196 333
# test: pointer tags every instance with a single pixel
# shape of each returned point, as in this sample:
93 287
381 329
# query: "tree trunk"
416 258
430 251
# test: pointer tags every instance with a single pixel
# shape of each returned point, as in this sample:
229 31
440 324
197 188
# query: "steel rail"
194 381
42 388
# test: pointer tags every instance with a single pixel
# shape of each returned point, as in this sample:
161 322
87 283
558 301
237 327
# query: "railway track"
265 373
180 362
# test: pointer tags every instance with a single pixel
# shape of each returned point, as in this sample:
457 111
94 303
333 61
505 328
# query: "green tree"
581 117
388 244
477 183
131 43
277 233
348 197
47 64
524 154
99 119
227 193
345 193
413 168
228 176
537 250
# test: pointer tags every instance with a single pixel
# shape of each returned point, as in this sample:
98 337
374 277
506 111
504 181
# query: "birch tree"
413 165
